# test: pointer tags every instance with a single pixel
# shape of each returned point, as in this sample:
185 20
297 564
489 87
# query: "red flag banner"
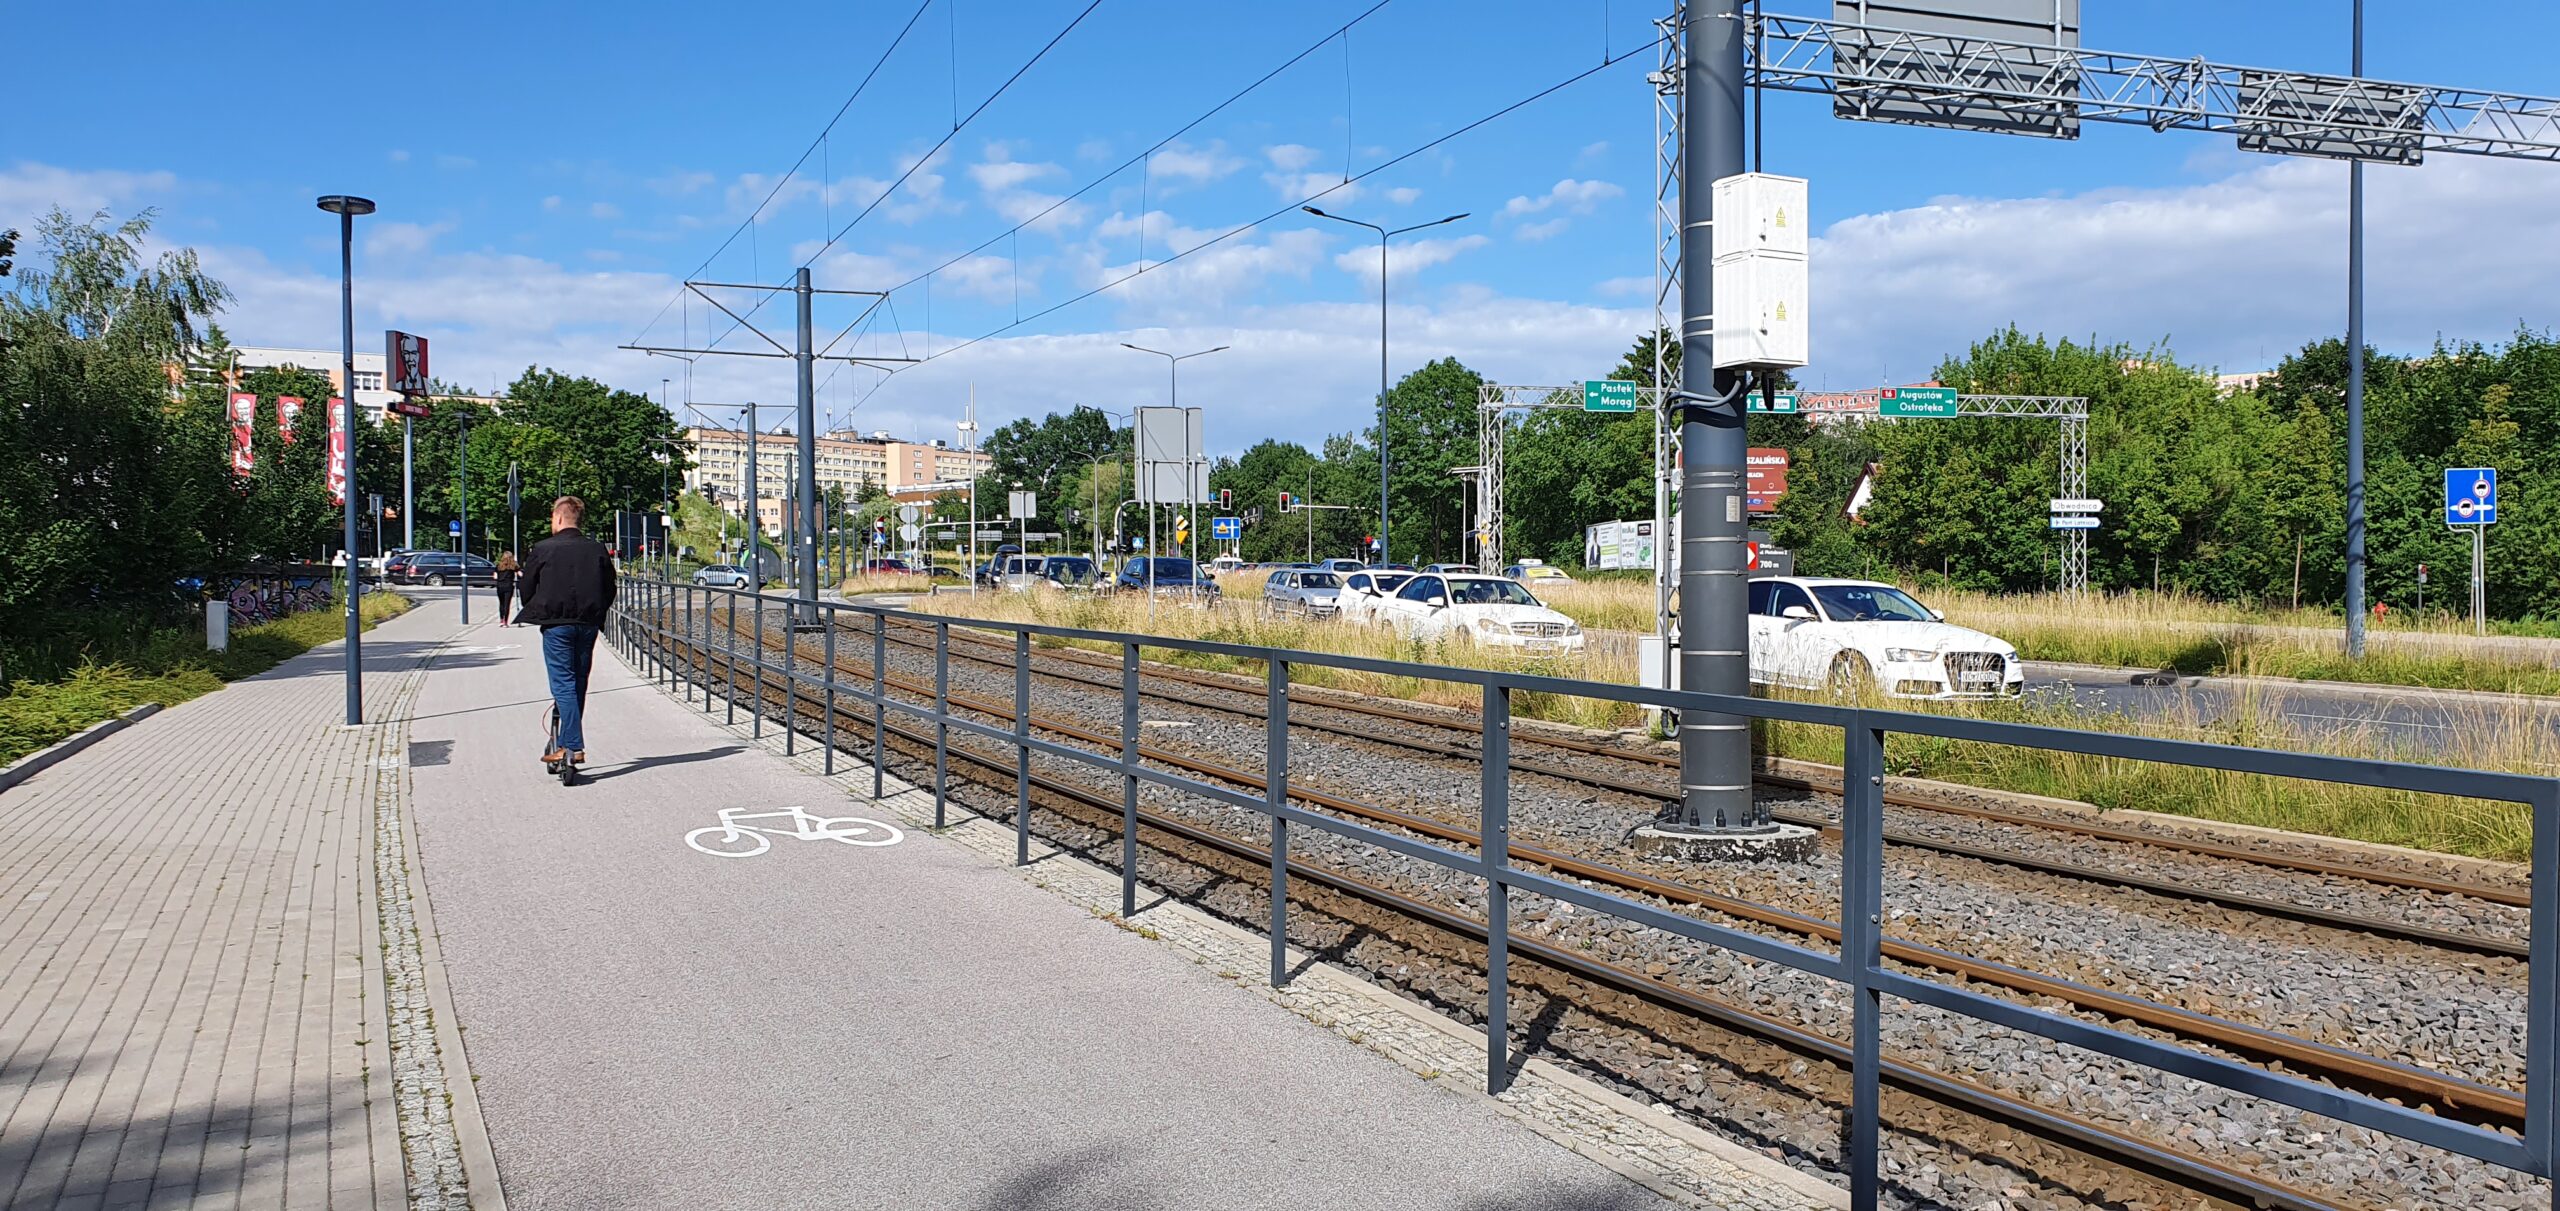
244 411
288 410
337 451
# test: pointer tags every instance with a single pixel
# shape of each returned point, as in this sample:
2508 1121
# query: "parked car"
1166 574
987 574
723 575
1017 572
1534 573
1307 593
1390 567
1488 610
1341 567
1074 573
1364 589
1849 635
444 568
1450 569
890 564
938 571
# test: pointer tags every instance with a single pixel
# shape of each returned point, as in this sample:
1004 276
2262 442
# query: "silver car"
722 575
1303 591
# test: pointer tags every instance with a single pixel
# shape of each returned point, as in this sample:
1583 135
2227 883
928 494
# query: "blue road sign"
2470 496
453 528
1226 527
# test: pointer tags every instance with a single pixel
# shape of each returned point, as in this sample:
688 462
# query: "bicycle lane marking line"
734 837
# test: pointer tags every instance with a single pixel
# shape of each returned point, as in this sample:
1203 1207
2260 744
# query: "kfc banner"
337 451
244 411
288 410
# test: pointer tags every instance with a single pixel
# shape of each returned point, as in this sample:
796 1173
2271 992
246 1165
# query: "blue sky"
547 174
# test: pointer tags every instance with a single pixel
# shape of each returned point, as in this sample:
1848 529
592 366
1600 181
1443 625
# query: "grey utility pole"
462 503
2355 377
808 537
408 482
347 208
1715 750
755 500
1384 235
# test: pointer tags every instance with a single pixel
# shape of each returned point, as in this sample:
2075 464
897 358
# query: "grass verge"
2489 736
169 669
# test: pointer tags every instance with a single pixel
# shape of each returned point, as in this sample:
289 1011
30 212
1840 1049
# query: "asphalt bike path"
838 1021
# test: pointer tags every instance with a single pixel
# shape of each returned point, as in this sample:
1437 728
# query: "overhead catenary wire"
814 144
1241 228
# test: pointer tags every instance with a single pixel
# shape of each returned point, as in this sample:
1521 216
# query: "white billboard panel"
1172 470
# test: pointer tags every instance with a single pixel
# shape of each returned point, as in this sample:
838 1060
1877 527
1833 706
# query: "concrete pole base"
1776 843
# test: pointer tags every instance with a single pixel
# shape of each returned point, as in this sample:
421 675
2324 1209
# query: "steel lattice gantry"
1495 402
2051 87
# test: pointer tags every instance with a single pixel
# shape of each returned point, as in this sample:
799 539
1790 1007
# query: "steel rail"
2448 1095
2375 926
2157 1161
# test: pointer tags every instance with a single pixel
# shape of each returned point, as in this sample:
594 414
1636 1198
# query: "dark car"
444 568
1166 574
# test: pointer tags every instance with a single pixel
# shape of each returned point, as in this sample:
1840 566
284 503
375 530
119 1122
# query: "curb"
2102 674
51 755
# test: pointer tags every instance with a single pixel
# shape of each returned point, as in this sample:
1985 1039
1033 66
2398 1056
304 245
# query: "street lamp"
347 207
968 444
1173 375
1383 236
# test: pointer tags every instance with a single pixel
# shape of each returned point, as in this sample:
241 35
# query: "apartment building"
848 461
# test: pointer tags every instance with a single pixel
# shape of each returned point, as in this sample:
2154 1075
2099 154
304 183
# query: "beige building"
847 461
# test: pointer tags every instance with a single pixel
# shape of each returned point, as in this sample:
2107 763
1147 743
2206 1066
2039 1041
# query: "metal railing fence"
658 625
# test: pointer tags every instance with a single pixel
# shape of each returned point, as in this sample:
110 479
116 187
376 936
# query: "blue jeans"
569 655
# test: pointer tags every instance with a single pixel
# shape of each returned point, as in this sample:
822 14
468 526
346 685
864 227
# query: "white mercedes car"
1814 633
1363 591
1491 610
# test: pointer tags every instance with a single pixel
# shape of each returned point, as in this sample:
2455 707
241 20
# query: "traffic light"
1287 502
1226 499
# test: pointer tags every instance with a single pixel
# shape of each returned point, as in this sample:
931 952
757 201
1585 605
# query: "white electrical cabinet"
1760 283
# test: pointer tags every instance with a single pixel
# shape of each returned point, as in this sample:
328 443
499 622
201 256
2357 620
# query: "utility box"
1760 272
1759 212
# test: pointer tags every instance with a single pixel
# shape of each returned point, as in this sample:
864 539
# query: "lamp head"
1313 211
346 204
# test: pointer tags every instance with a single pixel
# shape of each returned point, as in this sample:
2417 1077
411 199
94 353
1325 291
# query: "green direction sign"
1917 401
1783 401
1608 395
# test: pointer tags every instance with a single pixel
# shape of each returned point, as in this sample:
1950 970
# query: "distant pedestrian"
506 582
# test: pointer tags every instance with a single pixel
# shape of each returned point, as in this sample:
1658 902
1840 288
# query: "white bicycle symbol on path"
733 837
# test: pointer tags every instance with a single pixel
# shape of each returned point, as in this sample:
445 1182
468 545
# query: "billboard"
404 363
244 413
1618 545
337 452
1764 478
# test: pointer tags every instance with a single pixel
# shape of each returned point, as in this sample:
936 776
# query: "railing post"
1861 945
1022 748
755 726
941 720
827 615
700 628
1275 789
879 703
1128 780
2542 989
1496 851
729 655
790 682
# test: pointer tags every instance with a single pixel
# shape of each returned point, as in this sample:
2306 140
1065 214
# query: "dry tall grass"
2490 736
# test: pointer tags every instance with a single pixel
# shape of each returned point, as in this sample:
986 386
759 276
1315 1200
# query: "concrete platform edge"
1652 1148
471 1131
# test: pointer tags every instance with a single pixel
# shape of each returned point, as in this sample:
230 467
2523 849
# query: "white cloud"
2237 272
1290 157
1579 197
606 211
394 238
551 203
29 189
1408 257
1536 232
1591 152
1002 179
1324 187
399 156
1404 195
679 184
997 176
1181 164
454 163
921 195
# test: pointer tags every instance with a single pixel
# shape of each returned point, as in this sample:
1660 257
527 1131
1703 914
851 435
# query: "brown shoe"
555 756
578 758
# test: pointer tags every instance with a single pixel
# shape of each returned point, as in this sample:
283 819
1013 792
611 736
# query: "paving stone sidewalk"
191 1002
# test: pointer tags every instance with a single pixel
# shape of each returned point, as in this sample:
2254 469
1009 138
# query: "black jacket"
568 578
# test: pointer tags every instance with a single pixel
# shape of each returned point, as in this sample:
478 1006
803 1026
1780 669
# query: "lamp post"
1173 390
347 207
1383 236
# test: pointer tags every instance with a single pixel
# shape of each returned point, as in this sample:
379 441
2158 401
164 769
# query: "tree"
1431 427
620 433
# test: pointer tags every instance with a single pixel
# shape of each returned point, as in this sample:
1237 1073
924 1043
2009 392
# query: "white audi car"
1491 610
1814 633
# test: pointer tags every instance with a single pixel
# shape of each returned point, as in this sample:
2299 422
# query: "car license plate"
1539 645
1981 680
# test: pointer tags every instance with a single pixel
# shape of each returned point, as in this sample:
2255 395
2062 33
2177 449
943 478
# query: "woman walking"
506 581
